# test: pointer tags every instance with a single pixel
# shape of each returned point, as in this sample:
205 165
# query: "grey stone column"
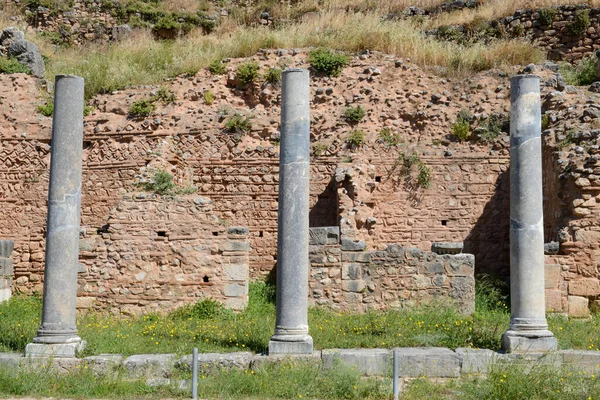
6 269
528 330
57 335
291 328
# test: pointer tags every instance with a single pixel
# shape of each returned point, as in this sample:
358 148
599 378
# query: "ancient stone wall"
345 276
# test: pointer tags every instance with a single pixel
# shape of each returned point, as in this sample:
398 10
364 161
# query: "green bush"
328 62
12 66
546 15
247 73
162 183
47 109
580 74
319 149
356 138
141 108
461 129
424 177
217 67
273 75
203 309
580 23
354 115
209 97
238 124
390 138
165 95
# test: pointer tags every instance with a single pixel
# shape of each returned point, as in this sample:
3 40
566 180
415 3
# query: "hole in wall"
444 222
260 234
86 144
215 233
205 279
103 229
377 179
161 233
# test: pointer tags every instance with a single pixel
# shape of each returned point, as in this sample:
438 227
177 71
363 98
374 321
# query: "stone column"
528 330
6 269
291 328
57 335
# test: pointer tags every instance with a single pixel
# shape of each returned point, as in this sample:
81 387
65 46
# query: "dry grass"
142 60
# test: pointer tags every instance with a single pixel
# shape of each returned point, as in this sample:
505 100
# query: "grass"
140 60
12 66
285 380
580 74
353 115
161 183
214 329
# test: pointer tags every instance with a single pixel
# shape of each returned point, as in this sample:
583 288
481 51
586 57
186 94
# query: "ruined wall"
345 276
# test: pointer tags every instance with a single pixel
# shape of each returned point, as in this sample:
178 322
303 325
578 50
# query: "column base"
63 350
529 342
291 344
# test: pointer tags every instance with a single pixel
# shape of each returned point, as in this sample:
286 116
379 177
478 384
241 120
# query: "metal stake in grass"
195 374
395 376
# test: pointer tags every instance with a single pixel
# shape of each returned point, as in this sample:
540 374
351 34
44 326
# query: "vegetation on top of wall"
580 23
217 67
580 74
411 165
353 115
247 73
389 137
547 15
273 75
46 109
144 107
161 183
327 61
461 129
356 138
238 123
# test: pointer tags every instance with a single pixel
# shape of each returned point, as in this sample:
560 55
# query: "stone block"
104 363
5 294
356 257
584 287
461 264
235 272
259 361
554 300
235 245
522 344
236 303
428 361
395 251
552 276
10 360
578 306
235 290
85 302
356 286
476 361
150 365
237 230
297 347
321 236
217 361
366 361
56 364
353 245
435 267
587 361
447 247
58 350
351 271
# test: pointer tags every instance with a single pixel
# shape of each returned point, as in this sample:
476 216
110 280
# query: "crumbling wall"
345 276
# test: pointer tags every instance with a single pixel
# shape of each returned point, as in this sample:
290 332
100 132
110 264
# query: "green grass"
580 74
161 183
327 61
12 66
212 328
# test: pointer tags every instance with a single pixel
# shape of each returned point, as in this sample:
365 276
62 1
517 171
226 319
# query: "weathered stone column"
528 327
6 269
291 328
57 335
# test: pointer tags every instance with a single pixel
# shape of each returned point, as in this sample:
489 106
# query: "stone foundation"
6 269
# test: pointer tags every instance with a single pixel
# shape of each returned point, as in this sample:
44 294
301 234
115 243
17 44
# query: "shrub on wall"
546 15
354 115
247 73
327 62
580 23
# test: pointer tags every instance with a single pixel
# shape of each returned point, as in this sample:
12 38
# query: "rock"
595 87
9 35
28 54
121 32
551 248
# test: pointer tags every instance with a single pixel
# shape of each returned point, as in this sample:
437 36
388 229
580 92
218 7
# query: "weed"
411 165
389 137
356 138
46 109
87 110
354 115
217 67
547 15
273 76
203 309
327 62
424 177
141 108
580 23
238 123
209 97
165 95
161 183
545 121
492 128
319 149
583 73
12 66
247 73
461 129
